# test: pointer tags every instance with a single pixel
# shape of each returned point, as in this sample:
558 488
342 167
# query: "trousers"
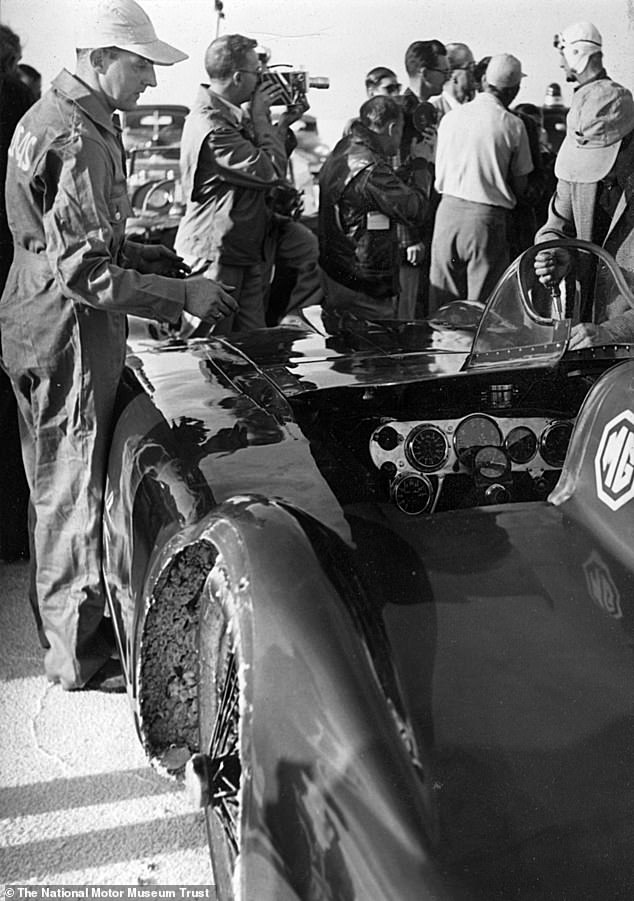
469 251
66 410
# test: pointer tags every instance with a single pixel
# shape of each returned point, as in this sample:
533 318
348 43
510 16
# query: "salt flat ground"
79 804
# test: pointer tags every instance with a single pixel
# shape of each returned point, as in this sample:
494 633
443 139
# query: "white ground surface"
78 802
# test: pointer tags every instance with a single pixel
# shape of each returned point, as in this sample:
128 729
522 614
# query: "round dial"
491 463
387 437
554 441
426 447
521 444
473 433
412 493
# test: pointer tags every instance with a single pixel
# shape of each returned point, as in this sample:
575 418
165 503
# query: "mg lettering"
614 461
22 147
601 587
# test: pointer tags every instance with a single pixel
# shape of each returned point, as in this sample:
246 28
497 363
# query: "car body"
372 587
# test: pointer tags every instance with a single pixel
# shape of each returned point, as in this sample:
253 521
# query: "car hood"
301 358
511 632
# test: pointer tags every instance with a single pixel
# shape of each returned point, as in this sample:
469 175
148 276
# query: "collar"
451 101
360 134
90 103
236 111
487 97
597 77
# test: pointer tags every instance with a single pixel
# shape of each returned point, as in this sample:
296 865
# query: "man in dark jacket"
361 200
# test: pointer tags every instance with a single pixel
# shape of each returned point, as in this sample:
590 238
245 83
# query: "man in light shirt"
482 160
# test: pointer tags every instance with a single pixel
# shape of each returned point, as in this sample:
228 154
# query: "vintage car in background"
372 584
151 138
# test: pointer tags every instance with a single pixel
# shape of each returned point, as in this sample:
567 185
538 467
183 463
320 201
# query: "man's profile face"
124 77
436 76
563 64
463 83
251 75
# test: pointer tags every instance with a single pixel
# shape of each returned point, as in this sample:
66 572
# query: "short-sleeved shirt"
479 145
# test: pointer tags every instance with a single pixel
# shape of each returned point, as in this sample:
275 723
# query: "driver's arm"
616 330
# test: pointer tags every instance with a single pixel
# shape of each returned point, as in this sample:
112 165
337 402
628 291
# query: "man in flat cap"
63 318
593 201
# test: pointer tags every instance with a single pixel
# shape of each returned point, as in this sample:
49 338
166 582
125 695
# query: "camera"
292 84
425 115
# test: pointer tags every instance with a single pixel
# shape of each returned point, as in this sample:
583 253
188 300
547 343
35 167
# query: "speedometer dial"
426 447
412 494
473 433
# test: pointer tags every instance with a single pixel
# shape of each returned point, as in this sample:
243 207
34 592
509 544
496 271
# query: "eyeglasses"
257 71
446 73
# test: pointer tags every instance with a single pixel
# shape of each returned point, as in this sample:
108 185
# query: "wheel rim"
220 720
224 754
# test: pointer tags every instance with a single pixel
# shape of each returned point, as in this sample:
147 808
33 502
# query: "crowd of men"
416 209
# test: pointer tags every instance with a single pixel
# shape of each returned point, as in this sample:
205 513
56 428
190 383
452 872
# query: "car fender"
316 722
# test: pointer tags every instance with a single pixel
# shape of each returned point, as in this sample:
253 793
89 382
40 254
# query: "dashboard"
498 456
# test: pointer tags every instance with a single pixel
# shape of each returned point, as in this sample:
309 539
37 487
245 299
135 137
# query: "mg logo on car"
614 461
601 587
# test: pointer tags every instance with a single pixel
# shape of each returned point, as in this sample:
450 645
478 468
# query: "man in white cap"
580 46
593 201
482 162
63 318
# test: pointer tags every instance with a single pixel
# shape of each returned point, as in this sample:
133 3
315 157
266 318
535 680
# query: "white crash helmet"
578 43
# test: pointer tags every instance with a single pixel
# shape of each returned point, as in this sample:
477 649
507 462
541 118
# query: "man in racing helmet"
580 46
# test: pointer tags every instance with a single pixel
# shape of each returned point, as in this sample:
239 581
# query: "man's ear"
99 60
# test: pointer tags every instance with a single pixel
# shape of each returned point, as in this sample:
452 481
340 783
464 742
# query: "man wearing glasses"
229 162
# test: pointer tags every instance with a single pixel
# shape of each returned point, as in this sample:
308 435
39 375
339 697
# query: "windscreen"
526 321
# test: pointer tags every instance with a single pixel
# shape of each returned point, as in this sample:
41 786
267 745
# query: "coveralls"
63 325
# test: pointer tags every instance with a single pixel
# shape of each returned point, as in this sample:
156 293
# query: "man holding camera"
229 163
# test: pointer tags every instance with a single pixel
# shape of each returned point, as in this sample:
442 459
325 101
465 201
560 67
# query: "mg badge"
614 461
601 587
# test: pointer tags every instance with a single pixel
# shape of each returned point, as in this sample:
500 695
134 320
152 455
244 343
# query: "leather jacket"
362 199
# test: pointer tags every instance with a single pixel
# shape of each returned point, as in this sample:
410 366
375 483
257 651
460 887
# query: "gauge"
412 493
491 463
554 441
426 447
473 433
521 444
387 437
